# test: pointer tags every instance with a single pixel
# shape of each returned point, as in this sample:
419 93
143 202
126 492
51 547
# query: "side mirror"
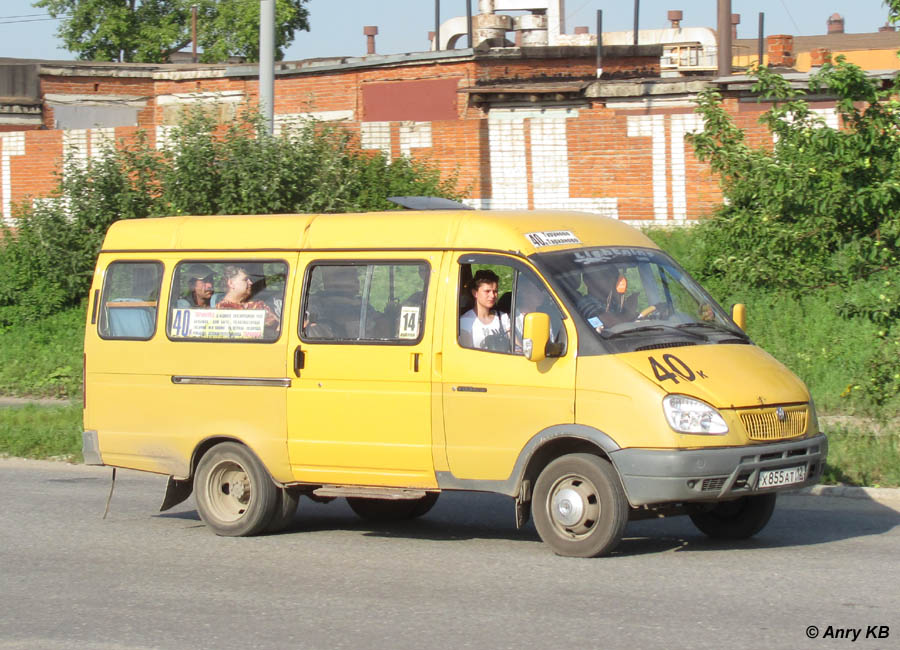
739 315
536 335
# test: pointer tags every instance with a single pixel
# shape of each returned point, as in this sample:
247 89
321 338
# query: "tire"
392 509
737 519
579 506
235 494
285 510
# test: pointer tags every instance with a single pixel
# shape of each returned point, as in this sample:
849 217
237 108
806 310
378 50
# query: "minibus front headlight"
689 415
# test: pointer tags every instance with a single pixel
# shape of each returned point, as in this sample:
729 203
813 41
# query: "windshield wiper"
717 327
650 328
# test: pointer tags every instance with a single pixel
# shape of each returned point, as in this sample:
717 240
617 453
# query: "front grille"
764 424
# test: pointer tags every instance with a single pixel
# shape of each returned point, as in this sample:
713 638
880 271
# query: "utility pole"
194 33
267 63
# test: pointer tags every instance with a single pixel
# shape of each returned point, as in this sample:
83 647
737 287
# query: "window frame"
365 263
488 259
104 294
226 262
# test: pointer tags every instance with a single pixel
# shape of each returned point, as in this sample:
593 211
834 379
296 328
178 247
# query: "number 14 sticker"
409 322
674 369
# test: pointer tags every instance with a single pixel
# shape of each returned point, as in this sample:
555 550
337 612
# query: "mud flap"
176 492
523 504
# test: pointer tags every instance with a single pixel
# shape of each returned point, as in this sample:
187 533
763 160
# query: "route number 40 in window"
674 369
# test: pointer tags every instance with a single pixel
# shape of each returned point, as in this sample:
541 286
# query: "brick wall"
624 157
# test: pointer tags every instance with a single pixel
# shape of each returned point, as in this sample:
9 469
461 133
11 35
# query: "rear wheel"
392 509
235 494
579 506
738 519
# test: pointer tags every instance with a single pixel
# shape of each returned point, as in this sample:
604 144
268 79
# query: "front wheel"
738 519
579 506
234 493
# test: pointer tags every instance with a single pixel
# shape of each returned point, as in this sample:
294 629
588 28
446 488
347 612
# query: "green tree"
148 31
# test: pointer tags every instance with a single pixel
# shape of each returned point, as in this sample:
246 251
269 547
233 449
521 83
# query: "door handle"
470 389
414 362
299 360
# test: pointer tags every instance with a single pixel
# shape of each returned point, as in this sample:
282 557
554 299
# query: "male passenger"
200 286
484 327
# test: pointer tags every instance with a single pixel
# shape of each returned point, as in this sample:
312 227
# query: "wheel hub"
568 506
574 506
239 489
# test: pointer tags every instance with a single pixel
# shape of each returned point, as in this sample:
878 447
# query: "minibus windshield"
626 295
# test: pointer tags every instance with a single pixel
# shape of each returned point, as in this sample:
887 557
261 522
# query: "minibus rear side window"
365 302
227 300
130 300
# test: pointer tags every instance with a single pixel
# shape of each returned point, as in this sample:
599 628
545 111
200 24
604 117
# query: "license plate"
786 476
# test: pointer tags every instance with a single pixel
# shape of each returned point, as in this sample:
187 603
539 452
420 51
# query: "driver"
605 303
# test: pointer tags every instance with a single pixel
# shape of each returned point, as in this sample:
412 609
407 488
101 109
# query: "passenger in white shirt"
483 327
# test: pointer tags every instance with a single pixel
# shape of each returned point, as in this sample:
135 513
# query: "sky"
336 26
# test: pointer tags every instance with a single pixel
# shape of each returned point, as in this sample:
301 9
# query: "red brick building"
525 127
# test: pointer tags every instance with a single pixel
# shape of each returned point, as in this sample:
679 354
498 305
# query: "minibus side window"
507 294
130 300
365 302
227 300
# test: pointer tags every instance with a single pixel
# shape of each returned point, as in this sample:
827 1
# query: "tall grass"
41 431
43 357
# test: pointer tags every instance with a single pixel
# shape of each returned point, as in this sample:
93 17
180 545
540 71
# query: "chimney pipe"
735 21
835 24
370 32
637 14
781 54
761 39
723 34
437 25
675 17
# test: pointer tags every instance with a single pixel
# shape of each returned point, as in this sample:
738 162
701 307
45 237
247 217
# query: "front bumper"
653 476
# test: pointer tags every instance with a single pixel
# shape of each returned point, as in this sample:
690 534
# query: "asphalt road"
461 577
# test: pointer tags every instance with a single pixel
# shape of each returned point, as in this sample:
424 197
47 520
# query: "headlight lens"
689 415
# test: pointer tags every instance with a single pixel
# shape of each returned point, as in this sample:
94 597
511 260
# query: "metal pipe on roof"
761 40
637 12
437 25
599 43
469 22
723 34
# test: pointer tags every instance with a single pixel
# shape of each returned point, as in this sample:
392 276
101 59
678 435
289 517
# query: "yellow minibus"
559 358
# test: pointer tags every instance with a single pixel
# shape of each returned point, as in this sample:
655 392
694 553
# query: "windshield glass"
629 295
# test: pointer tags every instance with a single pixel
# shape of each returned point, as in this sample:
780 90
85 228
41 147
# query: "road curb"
889 497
